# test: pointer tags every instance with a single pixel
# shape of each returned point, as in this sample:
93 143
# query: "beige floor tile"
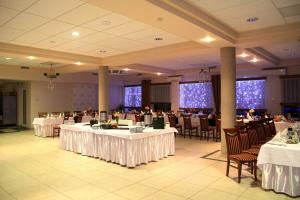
35 168
213 195
163 196
87 192
136 191
183 189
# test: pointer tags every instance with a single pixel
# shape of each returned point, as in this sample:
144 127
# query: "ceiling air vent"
25 67
116 72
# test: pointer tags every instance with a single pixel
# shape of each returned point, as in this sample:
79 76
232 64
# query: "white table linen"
119 146
280 165
43 127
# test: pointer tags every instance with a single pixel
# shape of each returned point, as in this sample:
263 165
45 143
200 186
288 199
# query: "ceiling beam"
47 55
264 54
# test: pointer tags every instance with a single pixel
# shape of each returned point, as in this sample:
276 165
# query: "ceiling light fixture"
75 33
158 73
78 63
207 39
252 19
31 57
254 60
244 55
51 75
126 69
102 51
8 58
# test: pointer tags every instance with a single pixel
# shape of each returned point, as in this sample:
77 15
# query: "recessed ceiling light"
8 58
126 69
158 38
78 63
252 19
158 73
160 19
102 51
207 39
75 33
106 22
254 60
52 41
244 55
31 57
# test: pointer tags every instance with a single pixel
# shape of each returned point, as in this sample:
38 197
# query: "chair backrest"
260 132
204 124
252 135
138 118
239 122
272 128
172 120
245 144
267 130
187 122
42 114
233 141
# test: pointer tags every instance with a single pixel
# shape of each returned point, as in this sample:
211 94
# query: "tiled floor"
35 168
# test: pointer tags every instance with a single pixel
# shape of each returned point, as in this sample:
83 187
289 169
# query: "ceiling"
235 13
151 36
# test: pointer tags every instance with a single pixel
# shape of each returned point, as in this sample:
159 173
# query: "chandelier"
51 75
204 74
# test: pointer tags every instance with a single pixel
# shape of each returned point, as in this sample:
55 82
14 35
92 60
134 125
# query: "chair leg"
255 171
190 133
239 172
227 169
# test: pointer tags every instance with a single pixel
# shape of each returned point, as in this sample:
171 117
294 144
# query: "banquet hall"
149 99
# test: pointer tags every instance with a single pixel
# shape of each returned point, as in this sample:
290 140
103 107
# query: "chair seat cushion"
253 151
243 157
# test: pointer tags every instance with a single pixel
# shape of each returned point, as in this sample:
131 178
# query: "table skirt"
43 130
282 179
127 152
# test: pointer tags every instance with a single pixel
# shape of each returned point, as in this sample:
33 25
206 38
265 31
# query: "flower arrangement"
116 116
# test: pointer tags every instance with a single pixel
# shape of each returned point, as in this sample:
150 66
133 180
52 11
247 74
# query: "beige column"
174 93
228 91
103 88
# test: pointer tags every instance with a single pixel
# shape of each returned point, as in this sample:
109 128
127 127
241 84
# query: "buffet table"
280 165
43 127
118 146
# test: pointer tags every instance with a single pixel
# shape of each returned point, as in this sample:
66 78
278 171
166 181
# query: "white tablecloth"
281 126
119 146
280 164
43 127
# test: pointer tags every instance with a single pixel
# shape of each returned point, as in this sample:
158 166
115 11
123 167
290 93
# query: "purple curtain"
216 88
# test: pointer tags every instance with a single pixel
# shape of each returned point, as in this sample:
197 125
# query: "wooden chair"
138 118
205 129
272 127
172 120
234 153
253 138
187 124
218 129
245 143
67 114
42 114
56 131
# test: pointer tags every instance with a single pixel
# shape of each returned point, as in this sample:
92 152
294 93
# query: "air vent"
116 72
274 71
25 67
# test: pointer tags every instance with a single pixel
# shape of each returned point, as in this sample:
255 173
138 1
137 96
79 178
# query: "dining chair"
138 118
205 129
42 114
187 124
172 120
253 138
272 127
56 131
218 129
245 143
235 154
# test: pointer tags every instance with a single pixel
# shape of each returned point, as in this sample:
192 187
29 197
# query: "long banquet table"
280 165
118 146
43 127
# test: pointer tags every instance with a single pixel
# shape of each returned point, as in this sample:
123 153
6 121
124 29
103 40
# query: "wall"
273 94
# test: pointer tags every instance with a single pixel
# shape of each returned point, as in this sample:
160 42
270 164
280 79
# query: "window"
133 96
250 94
195 95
